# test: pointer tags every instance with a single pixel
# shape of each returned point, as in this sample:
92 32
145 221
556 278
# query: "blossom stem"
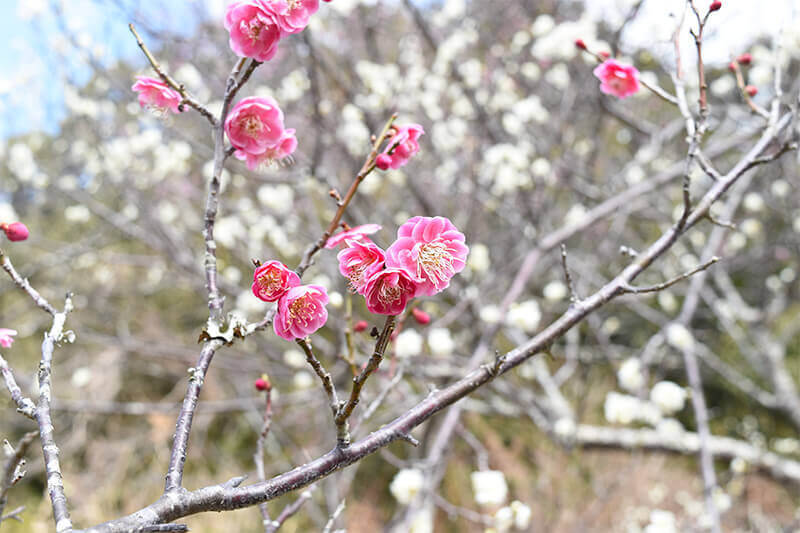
358 382
369 166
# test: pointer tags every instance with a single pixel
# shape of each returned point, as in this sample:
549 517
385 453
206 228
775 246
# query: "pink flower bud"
383 161
732 66
580 44
360 326
605 54
715 6
421 316
16 231
744 59
751 90
262 383
7 337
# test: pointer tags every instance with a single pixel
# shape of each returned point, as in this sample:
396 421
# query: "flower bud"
16 231
732 66
580 44
751 90
383 161
715 6
421 316
262 384
605 54
744 59
360 326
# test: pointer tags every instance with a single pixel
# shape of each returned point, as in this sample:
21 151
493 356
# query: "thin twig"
573 296
12 471
346 410
677 279
329 526
258 456
324 375
289 511
23 284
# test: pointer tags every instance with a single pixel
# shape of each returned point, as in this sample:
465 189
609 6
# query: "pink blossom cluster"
401 147
428 252
301 308
255 129
256 26
156 95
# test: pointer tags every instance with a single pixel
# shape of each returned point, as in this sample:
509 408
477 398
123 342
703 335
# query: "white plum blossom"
525 316
630 376
564 428
670 429
489 487
302 380
294 358
441 342
406 485
503 519
490 314
522 515
625 409
478 260
408 343
661 522
679 337
669 397
555 291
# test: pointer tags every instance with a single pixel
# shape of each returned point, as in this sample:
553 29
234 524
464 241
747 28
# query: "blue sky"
36 61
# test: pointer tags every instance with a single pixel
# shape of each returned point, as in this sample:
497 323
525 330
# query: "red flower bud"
383 161
605 54
262 383
744 59
732 66
16 231
421 316
751 90
715 6
360 326
580 44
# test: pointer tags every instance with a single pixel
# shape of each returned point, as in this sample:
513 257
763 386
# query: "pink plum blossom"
405 146
617 78
357 233
388 291
272 280
285 147
156 95
301 312
358 262
254 29
430 250
6 337
16 231
292 15
255 125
